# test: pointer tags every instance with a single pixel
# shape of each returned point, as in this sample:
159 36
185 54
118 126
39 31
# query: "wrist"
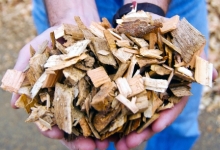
163 4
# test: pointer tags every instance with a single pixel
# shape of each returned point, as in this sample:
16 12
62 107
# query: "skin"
67 10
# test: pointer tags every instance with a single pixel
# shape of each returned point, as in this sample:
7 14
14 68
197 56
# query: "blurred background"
17 29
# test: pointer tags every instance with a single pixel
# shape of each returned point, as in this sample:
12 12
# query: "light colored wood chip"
181 91
61 64
59 32
12 80
97 29
130 70
85 127
76 49
98 76
172 46
170 24
136 84
139 41
121 70
101 120
185 71
158 85
149 121
104 97
52 78
160 70
164 107
103 52
62 102
203 72
122 55
73 74
142 101
101 44
151 53
188 39
38 85
153 40
129 104
123 86
74 31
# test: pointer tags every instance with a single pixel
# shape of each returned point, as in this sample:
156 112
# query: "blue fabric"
183 132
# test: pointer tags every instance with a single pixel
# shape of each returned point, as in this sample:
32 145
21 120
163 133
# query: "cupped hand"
80 142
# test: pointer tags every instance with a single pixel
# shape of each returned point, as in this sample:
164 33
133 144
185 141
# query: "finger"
81 143
168 116
100 145
121 144
13 100
55 133
134 139
214 74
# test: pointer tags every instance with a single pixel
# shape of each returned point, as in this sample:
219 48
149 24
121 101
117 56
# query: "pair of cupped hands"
130 141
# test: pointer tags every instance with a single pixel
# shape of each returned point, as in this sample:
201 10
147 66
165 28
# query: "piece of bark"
104 97
137 28
121 70
12 80
129 104
101 120
101 44
84 90
62 102
203 72
136 84
143 61
98 76
188 39
73 74
170 24
123 86
181 91
151 53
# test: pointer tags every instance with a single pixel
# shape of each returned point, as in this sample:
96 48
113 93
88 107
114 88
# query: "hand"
55 133
166 118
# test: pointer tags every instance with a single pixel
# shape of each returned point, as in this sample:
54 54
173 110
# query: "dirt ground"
16 29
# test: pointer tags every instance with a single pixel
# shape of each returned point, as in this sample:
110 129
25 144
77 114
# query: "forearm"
63 11
161 3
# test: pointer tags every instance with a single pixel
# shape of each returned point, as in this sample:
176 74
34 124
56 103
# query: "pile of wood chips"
99 81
